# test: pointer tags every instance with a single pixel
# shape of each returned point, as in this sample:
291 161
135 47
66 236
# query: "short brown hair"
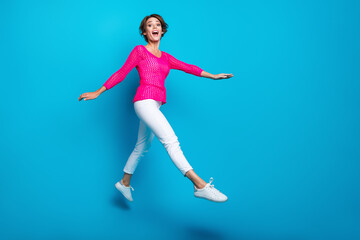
142 28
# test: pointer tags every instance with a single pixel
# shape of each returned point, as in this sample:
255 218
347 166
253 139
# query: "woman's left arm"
193 69
183 66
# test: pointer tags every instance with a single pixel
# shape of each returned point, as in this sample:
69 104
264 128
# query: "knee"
170 141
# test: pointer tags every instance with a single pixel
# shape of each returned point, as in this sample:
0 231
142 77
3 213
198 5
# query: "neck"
153 45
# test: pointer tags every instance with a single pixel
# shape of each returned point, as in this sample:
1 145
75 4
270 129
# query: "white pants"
153 122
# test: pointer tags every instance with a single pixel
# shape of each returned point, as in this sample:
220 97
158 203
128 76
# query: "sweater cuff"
199 72
107 86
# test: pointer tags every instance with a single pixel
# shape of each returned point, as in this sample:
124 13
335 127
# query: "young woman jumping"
153 66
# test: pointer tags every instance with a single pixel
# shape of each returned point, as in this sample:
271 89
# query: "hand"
223 75
89 96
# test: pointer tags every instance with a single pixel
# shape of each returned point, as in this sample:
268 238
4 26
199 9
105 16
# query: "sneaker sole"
212 200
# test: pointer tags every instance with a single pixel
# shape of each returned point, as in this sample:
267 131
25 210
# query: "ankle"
125 183
200 186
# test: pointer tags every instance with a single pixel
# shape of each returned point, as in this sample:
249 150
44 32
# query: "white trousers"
153 122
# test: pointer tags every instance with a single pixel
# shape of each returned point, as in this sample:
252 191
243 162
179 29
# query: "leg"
126 179
148 111
196 180
143 144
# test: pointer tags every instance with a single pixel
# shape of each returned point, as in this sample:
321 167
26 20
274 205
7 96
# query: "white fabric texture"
153 123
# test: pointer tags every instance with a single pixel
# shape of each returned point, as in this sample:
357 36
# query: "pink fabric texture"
152 70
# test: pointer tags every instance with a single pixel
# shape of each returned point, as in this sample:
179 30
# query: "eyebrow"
151 21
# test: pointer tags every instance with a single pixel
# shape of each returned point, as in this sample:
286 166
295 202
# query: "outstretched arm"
117 77
195 70
179 65
120 74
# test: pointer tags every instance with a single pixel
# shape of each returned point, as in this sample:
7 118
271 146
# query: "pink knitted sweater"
152 71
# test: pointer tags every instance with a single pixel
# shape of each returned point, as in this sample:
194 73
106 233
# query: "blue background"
280 138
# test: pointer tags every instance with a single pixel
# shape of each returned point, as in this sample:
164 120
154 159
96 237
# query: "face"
153 29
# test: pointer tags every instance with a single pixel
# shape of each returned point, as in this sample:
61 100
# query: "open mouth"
155 33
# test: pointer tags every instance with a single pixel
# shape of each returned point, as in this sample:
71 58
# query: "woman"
153 66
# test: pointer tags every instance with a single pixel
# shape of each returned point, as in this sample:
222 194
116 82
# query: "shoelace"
212 185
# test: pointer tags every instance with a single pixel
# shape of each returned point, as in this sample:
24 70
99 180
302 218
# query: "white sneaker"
124 190
210 193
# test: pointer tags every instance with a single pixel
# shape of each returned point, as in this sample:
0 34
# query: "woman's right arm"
117 77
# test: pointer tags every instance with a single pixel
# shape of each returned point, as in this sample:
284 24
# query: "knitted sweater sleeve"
179 65
119 75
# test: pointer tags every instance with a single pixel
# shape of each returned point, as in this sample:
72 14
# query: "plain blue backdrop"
281 138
